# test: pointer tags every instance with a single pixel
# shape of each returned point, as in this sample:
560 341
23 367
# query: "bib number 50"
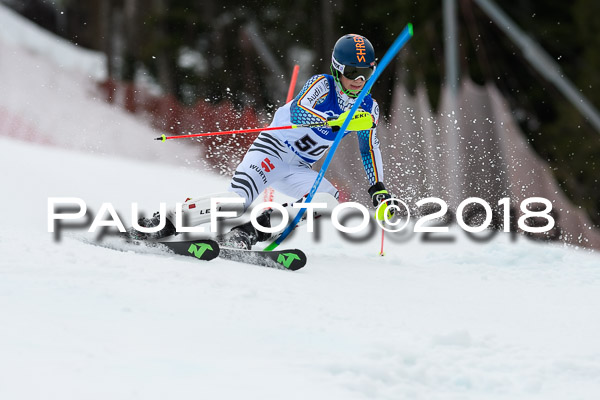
307 143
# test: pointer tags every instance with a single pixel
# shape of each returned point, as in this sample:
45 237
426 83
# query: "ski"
201 249
290 259
207 249
204 249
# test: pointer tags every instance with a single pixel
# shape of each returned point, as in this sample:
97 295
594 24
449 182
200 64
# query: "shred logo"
286 259
198 249
361 50
267 165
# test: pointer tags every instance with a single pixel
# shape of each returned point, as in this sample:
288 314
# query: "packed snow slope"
501 320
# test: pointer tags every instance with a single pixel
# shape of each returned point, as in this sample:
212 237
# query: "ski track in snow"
427 321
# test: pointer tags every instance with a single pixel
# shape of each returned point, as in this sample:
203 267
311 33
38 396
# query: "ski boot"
168 230
246 235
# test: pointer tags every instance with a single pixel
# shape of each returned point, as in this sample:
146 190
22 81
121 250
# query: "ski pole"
361 121
164 137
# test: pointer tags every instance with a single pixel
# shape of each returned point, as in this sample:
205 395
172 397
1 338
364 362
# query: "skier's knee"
197 211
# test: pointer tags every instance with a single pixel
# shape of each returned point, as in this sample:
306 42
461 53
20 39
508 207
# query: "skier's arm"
371 158
369 150
313 93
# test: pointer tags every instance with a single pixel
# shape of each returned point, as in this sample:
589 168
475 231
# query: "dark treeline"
245 50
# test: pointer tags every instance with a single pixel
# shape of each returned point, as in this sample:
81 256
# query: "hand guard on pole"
361 121
380 197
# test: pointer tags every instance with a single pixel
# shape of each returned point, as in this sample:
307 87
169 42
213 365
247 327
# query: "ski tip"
291 259
288 259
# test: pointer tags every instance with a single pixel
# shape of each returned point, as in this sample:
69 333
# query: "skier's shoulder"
374 110
319 79
316 87
375 104
369 104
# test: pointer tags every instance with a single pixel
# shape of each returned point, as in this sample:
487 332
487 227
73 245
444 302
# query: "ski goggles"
351 72
354 73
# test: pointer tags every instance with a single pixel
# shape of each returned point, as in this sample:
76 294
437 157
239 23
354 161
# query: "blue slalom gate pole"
400 41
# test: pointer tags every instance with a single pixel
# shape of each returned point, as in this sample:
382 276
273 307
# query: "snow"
501 319
498 320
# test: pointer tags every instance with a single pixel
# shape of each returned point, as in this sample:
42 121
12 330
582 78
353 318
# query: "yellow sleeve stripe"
373 155
309 110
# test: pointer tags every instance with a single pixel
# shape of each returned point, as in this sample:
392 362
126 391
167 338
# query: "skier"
283 160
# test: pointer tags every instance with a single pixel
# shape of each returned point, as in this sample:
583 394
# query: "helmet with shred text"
353 57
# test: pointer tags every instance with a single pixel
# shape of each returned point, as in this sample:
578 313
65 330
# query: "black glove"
379 195
334 128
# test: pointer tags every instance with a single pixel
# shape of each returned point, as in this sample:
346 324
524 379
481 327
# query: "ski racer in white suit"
283 159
